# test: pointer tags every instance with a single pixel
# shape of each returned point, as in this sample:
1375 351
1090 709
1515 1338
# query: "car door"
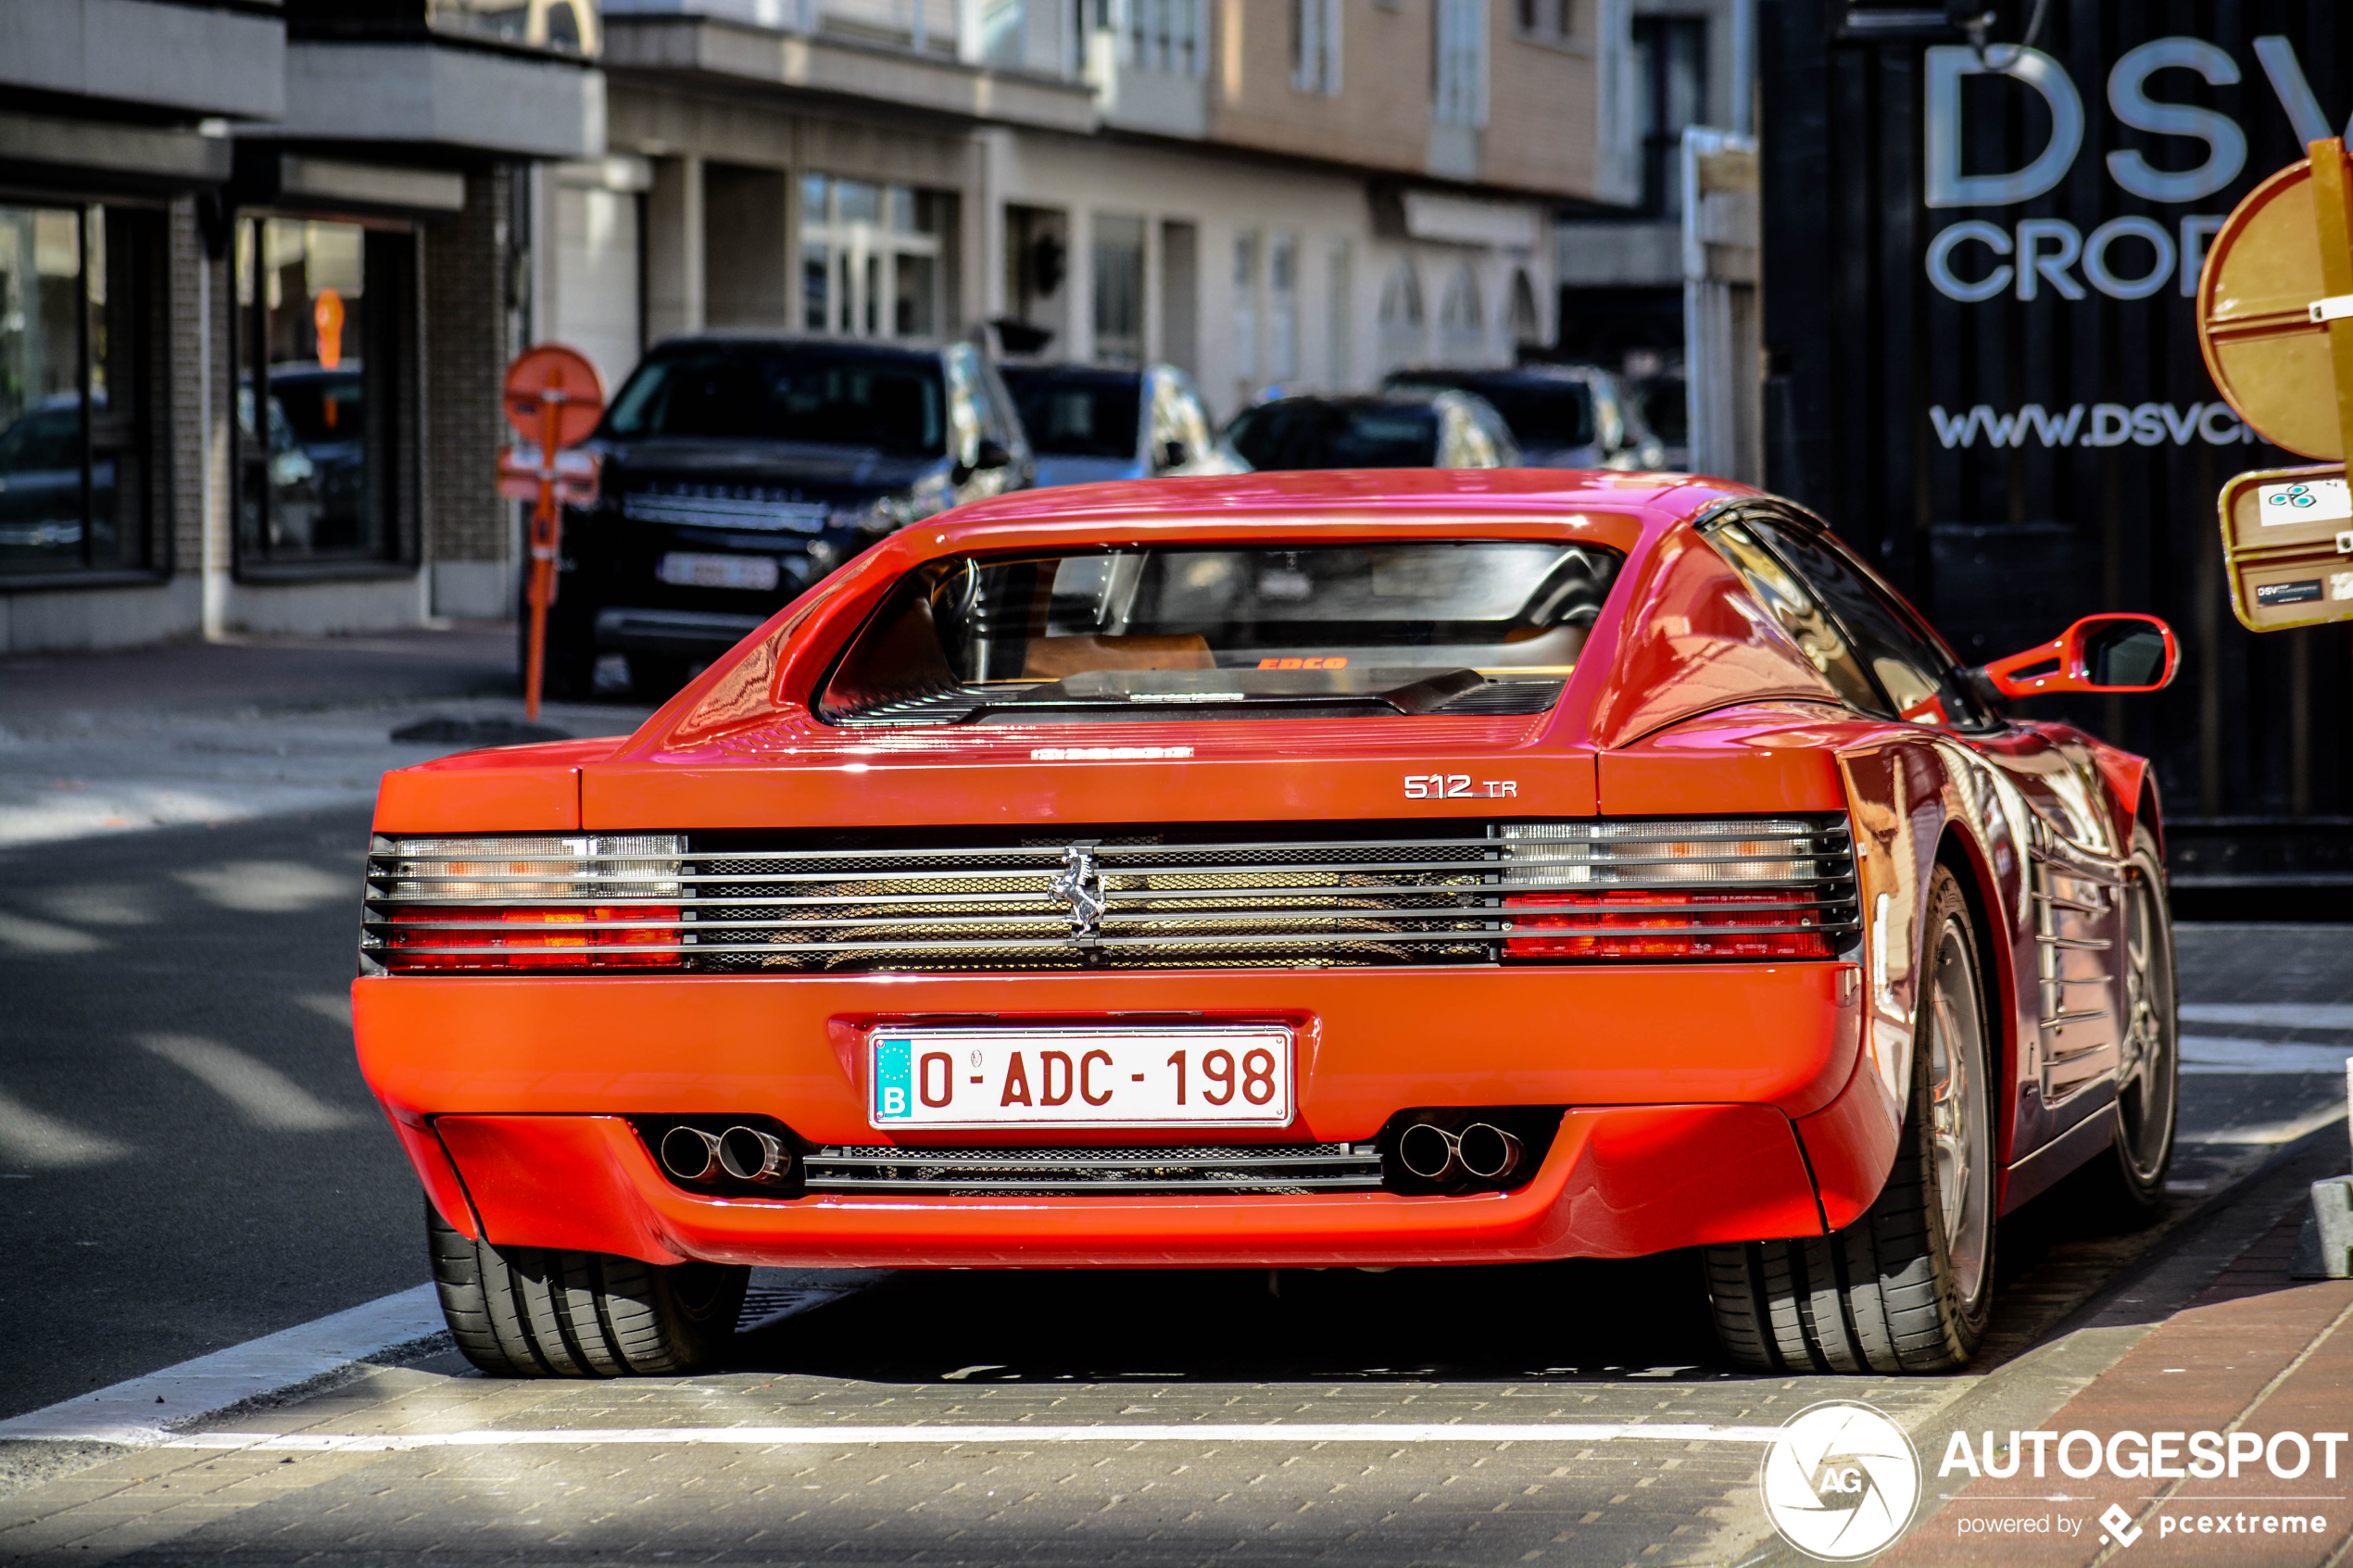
2075 872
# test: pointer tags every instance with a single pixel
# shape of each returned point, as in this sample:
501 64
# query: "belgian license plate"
685 570
1237 1077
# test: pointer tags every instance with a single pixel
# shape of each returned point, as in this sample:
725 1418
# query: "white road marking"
145 1410
2214 1053
2276 1015
858 1437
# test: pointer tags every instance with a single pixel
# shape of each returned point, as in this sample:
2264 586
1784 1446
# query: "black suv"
738 469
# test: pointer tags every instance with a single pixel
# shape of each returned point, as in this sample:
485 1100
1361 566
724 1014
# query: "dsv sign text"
2128 257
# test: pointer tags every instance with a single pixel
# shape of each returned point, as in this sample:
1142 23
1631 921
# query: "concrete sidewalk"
211 732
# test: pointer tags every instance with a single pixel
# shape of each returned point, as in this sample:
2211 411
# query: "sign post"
2275 324
553 399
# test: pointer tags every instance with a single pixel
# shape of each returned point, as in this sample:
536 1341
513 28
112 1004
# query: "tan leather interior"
1051 658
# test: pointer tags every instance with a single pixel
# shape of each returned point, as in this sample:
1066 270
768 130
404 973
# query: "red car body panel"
1707 1102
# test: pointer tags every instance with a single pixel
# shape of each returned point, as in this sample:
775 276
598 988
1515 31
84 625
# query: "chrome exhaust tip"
750 1155
1428 1151
690 1154
1488 1152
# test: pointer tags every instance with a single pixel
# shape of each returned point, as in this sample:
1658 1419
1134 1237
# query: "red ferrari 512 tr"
1288 869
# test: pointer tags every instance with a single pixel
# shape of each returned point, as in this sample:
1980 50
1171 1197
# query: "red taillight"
582 938
1644 923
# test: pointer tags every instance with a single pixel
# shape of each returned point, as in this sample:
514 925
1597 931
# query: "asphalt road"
188 1157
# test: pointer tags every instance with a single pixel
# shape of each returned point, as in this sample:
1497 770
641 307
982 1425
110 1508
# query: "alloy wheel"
1959 1129
2145 1069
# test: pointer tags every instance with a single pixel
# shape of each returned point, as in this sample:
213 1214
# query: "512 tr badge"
1452 786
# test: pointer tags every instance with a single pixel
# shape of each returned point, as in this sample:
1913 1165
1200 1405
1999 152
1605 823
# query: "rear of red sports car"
1290 870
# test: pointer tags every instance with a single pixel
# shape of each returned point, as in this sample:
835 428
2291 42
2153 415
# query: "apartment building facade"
254 297
262 261
1267 193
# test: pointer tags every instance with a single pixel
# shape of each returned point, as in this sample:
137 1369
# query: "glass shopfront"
76 298
318 390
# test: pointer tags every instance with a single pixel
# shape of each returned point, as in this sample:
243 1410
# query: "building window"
1670 75
1246 307
1165 35
1314 47
1547 21
874 259
1527 322
1399 320
319 353
1458 63
1461 324
1282 308
1119 289
77 297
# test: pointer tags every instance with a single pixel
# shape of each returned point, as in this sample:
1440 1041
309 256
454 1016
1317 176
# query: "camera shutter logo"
1840 1480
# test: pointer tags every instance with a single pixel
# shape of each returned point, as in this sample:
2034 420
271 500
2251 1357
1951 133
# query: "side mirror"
2100 653
1171 455
990 455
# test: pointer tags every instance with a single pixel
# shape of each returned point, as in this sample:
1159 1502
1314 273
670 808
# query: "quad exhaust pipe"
1482 1152
745 1153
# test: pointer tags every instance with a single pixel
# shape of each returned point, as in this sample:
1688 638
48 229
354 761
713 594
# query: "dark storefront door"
1979 280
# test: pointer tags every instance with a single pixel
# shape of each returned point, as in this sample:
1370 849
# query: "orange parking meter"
553 399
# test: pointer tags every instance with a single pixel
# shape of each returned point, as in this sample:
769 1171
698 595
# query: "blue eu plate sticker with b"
894 1078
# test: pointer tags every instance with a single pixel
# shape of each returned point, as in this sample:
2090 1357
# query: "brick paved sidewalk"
2253 1355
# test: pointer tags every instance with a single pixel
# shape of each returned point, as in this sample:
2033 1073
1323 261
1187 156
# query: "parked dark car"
738 469
1092 422
1427 428
1562 416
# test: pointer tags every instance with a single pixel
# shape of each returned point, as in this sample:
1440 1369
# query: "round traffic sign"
552 373
2269 358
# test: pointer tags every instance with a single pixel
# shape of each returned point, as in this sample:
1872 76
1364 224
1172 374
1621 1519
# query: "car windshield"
1307 433
320 408
1216 631
1542 411
893 402
1076 415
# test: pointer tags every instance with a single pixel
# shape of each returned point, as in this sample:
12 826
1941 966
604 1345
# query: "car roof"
1501 375
1334 494
1070 370
900 348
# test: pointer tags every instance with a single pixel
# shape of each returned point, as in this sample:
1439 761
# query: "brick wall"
466 350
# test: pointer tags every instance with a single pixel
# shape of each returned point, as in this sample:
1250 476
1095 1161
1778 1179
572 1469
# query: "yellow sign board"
2287 544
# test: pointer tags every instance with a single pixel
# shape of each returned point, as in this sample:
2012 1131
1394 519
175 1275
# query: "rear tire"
1908 1286
537 1312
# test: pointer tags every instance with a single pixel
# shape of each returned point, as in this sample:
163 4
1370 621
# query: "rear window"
886 402
1216 631
1541 412
1308 434
1076 416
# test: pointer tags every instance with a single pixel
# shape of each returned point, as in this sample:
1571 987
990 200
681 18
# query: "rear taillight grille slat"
1112 898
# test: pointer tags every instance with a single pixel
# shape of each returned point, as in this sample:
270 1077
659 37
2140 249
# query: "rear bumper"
1685 1086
